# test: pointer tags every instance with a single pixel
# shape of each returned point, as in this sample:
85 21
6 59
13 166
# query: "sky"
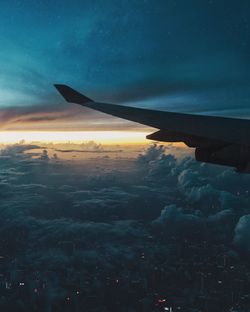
188 56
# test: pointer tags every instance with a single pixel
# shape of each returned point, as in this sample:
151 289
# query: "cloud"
175 221
59 217
242 233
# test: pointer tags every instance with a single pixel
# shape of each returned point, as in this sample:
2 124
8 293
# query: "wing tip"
71 95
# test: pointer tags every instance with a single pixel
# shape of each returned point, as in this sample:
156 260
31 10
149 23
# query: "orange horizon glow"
104 137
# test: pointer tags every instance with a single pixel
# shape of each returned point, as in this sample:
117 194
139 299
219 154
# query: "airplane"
217 140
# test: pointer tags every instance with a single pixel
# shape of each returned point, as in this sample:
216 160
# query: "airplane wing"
220 140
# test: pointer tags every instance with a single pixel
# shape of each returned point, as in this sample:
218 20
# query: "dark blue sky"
191 56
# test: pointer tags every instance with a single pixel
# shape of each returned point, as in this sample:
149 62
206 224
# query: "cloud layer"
58 217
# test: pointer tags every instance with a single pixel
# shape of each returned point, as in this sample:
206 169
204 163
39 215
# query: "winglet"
71 95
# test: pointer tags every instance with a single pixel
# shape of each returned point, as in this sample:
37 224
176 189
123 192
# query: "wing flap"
189 140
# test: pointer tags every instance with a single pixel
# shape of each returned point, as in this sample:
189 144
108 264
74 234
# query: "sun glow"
108 137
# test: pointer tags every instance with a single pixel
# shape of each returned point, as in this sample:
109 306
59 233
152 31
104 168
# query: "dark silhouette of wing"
220 140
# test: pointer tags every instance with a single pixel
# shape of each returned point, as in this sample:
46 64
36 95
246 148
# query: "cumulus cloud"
242 233
56 215
173 220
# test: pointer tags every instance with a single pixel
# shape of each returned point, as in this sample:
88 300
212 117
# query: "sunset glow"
108 137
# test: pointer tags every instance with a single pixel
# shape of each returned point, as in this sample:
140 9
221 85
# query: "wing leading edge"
209 134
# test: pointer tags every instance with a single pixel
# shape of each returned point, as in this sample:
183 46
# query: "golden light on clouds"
108 137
